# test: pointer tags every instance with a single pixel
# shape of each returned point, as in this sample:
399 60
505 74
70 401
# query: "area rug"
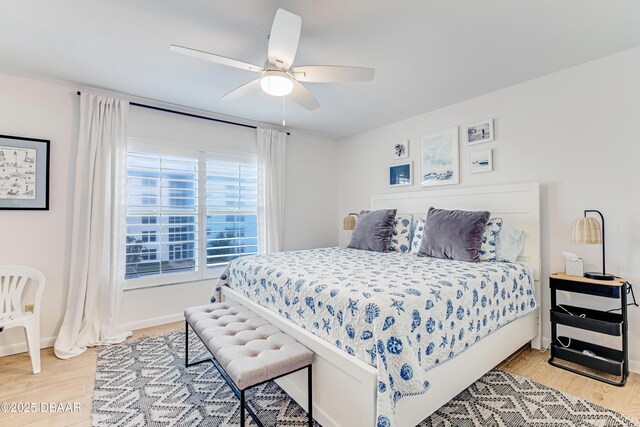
145 383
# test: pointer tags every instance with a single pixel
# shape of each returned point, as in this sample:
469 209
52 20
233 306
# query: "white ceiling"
427 53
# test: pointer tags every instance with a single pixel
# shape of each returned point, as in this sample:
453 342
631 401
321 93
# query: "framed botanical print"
401 149
24 173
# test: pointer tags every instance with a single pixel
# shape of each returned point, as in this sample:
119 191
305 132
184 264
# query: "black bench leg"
186 344
186 348
310 396
241 408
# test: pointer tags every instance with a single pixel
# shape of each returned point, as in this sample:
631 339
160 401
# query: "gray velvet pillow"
453 234
373 230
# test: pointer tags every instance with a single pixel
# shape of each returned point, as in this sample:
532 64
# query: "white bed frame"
344 388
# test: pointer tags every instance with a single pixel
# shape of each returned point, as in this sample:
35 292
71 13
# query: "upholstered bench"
247 350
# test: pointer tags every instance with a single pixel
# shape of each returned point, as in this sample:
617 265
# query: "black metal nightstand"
600 358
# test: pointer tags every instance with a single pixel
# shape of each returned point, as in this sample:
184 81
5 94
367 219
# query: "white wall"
41 239
312 198
39 109
575 132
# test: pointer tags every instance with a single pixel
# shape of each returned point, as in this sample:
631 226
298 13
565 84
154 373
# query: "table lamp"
587 230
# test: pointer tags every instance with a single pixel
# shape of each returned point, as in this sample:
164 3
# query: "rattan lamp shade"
349 222
591 231
586 230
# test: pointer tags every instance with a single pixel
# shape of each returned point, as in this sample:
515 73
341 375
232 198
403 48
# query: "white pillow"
416 241
510 243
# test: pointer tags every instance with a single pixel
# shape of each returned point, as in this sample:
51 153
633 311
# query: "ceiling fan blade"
332 73
242 91
284 38
215 58
302 96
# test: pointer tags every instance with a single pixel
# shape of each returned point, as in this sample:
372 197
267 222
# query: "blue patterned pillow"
401 237
417 236
489 240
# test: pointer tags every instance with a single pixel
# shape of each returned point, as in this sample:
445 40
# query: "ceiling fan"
278 76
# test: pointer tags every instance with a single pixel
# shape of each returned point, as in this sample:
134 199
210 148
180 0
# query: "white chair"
13 281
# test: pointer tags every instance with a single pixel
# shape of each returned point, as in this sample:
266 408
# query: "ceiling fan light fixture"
278 77
276 83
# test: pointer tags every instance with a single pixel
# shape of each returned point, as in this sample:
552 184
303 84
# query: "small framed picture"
401 174
24 173
401 149
480 132
481 161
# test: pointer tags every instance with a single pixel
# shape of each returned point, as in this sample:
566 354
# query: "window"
148 219
161 190
232 211
148 255
149 236
188 213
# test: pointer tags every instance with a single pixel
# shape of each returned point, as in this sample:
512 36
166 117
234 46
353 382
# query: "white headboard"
516 204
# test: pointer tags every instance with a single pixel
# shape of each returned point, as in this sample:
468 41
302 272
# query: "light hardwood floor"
60 381
534 365
73 380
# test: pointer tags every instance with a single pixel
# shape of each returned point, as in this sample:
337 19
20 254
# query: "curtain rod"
182 113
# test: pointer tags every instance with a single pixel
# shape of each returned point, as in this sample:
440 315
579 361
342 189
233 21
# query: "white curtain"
271 189
97 254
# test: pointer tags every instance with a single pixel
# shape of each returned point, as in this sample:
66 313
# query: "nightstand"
589 355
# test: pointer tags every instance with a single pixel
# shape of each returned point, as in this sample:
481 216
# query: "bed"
397 336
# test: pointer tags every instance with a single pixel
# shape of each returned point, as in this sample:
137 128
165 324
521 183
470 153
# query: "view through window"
178 205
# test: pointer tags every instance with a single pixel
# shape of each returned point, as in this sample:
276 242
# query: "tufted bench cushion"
247 347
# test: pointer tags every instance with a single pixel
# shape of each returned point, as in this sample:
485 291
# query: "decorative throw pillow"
453 234
418 232
373 230
400 238
510 243
490 239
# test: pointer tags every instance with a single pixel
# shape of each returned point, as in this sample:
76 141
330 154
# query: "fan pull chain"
283 112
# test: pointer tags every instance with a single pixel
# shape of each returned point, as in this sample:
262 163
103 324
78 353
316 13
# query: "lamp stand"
597 275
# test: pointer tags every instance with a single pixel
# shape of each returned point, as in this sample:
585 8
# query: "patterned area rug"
145 383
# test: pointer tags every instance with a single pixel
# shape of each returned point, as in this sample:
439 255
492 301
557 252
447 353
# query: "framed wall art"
440 158
24 173
401 174
401 149
480 132
481 161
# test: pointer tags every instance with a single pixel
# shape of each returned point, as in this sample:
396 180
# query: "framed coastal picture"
24 173
401 149
480 132
481 161
401 174
439 158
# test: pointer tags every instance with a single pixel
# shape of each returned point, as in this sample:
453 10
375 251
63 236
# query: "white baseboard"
21 347
634 365
148 323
